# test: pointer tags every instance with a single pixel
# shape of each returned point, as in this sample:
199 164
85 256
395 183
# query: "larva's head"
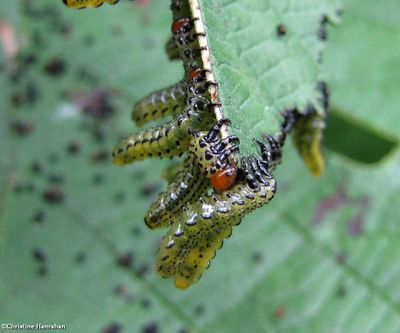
182 25
224 178
196 75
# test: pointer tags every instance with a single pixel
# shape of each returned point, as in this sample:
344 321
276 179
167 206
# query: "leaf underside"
261 73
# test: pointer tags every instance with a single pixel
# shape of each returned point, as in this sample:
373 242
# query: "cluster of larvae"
215 187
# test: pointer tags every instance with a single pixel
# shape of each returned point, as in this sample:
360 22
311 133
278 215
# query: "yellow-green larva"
308 138
166 102
207 153
80 4
169 140
196 234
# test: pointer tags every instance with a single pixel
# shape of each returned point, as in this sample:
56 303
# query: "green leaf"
322 257
260 73
362 60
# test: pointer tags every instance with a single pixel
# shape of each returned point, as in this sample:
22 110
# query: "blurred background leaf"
322 257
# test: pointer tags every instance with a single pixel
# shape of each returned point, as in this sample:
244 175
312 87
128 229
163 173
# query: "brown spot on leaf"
53 195
279 312
100 156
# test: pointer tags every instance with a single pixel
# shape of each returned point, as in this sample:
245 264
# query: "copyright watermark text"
35 326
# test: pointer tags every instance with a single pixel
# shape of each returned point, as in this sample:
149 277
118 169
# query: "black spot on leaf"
125 259
143 270
151 327
112 328
31 93
39 216
281 30
39 255
145 303
73 148
136 231
98 178
322 32
341 290
43 270
119 197
80 257
149 189
64 29
36 168
20 187
55 67
55 179
256 257
199 309
89 40
22 128
85 75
